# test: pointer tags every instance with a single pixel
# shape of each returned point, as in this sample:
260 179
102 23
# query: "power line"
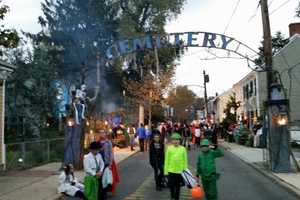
279 7
254 15
230 19
256 10
271 3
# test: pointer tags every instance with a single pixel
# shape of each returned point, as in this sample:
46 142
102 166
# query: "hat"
95 146
205 142
176 136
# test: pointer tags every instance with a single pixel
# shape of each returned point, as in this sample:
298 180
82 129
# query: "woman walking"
175 162
157 157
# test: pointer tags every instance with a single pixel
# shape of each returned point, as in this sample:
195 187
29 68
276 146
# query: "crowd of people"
244 134
168 145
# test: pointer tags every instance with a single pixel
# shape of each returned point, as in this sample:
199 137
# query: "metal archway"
184 39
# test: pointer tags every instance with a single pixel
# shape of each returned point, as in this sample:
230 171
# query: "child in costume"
93 167
157 158
206 168
176 161
69 184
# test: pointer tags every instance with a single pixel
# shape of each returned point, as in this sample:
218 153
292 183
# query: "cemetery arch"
184 39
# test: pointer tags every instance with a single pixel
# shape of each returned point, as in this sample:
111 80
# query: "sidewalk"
254 157
41 183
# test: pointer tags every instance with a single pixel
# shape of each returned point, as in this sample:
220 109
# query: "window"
251 89
255 92
247 91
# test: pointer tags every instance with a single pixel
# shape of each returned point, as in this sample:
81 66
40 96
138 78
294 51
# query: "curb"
268 175
277 180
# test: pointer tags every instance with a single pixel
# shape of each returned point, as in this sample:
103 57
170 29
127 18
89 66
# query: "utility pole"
278 136
206 80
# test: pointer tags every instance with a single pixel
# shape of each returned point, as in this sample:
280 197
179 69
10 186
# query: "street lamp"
70 122
279 138
282 120
279 105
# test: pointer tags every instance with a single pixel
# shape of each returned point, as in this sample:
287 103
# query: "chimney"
294 29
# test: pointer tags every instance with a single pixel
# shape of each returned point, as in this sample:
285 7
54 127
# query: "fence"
34 153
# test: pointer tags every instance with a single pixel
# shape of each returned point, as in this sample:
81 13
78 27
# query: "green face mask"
205 149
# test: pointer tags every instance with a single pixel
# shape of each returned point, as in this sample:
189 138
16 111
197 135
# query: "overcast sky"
198 15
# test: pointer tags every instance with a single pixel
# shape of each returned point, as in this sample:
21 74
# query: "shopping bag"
136 140
107 178
189 179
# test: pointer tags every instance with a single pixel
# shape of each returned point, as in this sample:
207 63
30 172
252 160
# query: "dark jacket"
157 155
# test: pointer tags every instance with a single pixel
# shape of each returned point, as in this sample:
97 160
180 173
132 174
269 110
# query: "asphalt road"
238 181
133 172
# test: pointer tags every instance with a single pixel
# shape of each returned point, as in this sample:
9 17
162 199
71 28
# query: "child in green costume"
206 168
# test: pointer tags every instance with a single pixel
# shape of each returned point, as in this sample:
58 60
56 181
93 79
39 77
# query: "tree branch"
145 15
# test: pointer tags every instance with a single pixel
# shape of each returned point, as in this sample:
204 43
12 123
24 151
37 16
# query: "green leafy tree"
8 37
31 93
230 111
199 103
278 41
182 100
148 15
79 29
298 10
139 18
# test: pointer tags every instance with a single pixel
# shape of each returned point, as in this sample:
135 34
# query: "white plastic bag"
136 141
189 179
107 178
